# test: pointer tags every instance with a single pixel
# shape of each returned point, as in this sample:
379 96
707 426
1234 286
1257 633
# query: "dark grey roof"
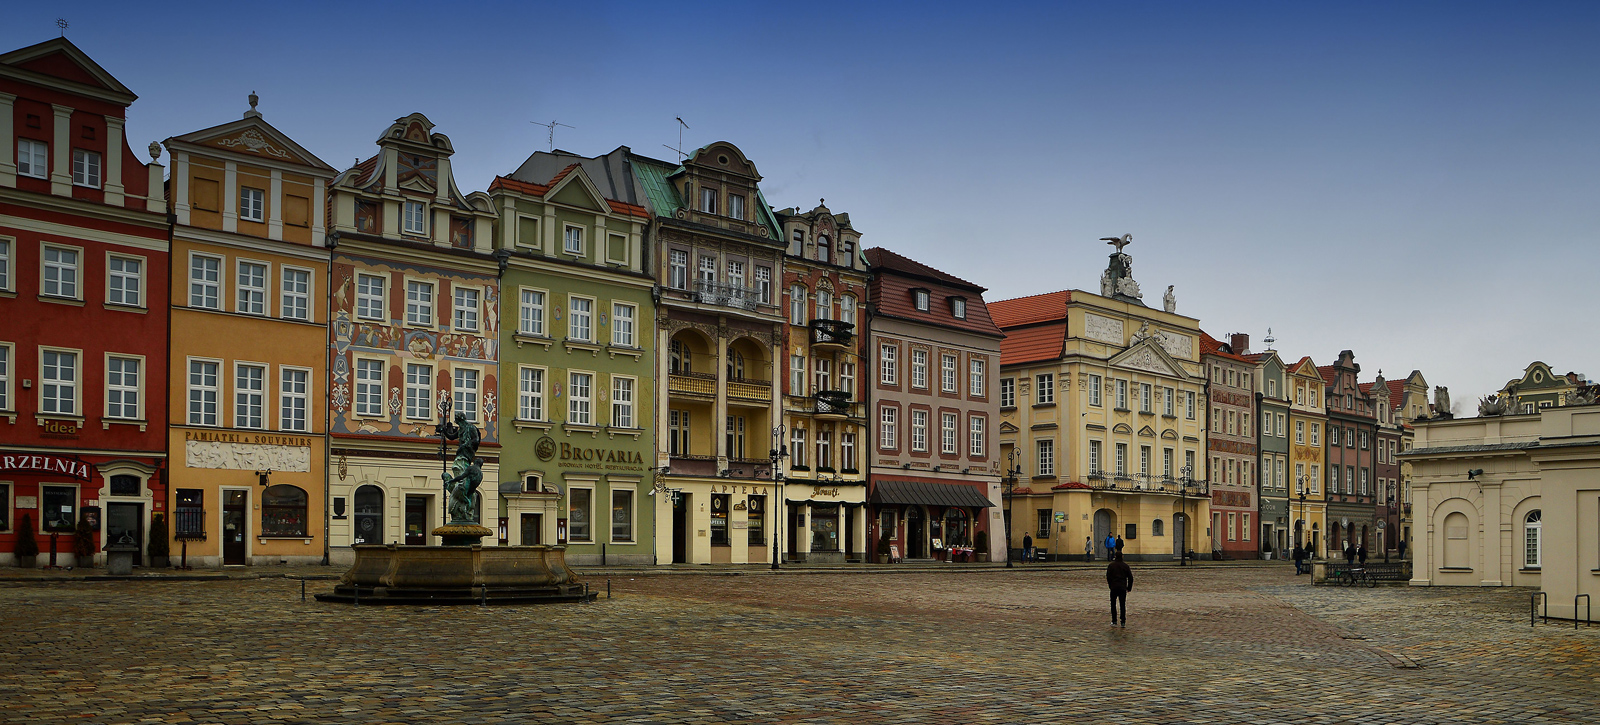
928 493
609 172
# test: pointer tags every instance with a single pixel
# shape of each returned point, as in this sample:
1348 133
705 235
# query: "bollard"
302 590
608 588
1588 610
1533 607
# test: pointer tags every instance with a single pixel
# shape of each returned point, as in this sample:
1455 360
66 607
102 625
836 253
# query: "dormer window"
919 298
847 252
736 206
824 249
708 201
958 307
414 218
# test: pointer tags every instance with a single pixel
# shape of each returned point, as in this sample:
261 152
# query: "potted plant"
883 548
83 544
27 547
160 551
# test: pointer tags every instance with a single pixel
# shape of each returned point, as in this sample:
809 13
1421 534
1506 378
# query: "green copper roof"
658 190
764 210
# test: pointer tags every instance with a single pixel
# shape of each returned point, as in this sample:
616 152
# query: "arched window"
1532 538
824 249
957 527
678 357
369 515
1158 528
283 511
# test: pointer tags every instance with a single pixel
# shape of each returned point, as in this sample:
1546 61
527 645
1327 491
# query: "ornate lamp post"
1303 523
1009 483
777 454
1183 507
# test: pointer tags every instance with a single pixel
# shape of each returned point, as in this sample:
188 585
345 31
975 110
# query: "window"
578 500
1245 527
466 309
888 437
947 373
822 374
1233 526
1532 540
530 317
1094 390
919 430
419 391
847 309
1122 395
202 392
1300 432
920 299
1145 394
707 272
1047 389
976 445
579 389
797 305
251 289
1280 425
1169 400
1122 459
756 513
1095 458
530 393
734 437
5 270
60 504
1046 459
58 390
466 392
797 375
5 385
369 387
1043 529
249 393
414 218
60 275
85 168
736 206
1315 479
824 305
621 515
1144 460
295 302
122 388
622 402
797 449
824 249
419 303
889 369
572 240
678 427
847 377
708 200
33 158
369 297
1364 484
958 307
578 323
678 269
1166 462
622 324
764 285
1244 424
292 395
1316 431
847 451
720 503
124 280
1233 423
947 433
1188 403
1364 440
736 273
283 511
251 204
919 368
1216 420
1299 477
824 447
1008 393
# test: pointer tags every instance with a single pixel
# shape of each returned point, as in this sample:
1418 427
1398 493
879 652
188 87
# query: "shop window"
578 514
825 527
622 516
756 513
720 503
1130 532
957 528
5 507
60 508
283 511
190 521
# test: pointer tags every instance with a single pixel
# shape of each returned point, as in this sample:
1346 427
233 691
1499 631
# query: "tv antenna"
62 23
552 126
679 149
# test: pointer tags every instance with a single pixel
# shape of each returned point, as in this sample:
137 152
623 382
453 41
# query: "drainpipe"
332 243
1259 517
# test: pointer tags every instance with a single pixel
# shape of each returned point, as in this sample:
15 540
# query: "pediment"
575 189
1150 357
1123 428
723 156
418 183
254 137
59 59
1147 432
1008 428
1169 435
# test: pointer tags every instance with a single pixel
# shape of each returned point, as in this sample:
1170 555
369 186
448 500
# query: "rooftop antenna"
552 126
62 23
679 149
1269 339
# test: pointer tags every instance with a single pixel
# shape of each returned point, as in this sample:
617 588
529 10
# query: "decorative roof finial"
155 150
253 113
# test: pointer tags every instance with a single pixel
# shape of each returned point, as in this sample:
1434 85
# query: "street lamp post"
778 452
1183 508
1303 523
1009 483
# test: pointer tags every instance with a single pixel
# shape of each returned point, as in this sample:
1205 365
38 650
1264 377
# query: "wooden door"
235 527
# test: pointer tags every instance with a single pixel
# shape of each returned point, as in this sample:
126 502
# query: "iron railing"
189 524
726 295
832 332
832 402
1147 483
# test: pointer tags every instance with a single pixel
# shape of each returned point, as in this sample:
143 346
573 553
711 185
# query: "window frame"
420 229
617 331
919 430
1095 390
588 513
240 289
533 325
77 271
138 279
585 415
619 407
458 391
949 378
430 308
8 366
257 204
567 239
382 299
214 287
43 156
77 382
427 395
919 369
888 364
240 407
137 388
949 422
1044 389
191 389
1044 456
285 397
83 177
888 428
356 383
977 436
285 294
588 316
1008 392
631 496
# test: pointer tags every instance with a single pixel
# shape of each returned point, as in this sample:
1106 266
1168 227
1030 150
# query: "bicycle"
1350 577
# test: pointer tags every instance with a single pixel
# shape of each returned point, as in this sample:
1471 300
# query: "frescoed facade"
1351 439
717 252
1307 419
415 318
824 409
936 405
1103 406
1272 439
83 295
247 437
577 355
1231 445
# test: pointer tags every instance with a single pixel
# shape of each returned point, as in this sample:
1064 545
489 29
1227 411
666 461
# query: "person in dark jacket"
1402 546
1120 579
1350 554
1299 560
1027 547
1119 547
1361 554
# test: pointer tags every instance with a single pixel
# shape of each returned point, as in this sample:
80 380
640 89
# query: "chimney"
1240 341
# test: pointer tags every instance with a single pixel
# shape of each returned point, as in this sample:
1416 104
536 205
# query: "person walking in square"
1299 560
1119 547
1111 546
1027 547
1350 554
1402 549
1361 554
1120 580
1088 548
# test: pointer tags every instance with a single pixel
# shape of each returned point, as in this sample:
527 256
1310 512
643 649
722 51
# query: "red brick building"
83 292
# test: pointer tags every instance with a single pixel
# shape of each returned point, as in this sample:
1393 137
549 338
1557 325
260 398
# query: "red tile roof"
880 257
1212 346
1070 485
1397 390
1034 308
1033 344
891 294
1328 373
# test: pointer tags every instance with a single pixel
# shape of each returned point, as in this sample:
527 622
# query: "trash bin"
119 556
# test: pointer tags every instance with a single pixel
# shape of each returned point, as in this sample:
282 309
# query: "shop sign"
610 459
33 463
61 428
735 488
825 491
27 502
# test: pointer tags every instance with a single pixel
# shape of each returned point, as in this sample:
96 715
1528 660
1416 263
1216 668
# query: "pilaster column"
275 206
8 141
1492 539
230 196
61 152
113 165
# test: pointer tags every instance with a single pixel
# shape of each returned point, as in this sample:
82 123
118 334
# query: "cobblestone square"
1213 644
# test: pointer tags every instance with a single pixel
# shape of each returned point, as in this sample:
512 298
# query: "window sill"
1123 410
570 428
1007 408
105 423
1044 477
571 344
40 418
1147 412
522 338
614 431
543 425
1456 569
140 309
1044 405
1169 416
633 352
265 539
1530 570
73 301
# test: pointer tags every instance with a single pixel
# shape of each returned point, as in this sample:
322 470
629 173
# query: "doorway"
916 534
369 515
531 523
1102 529
850 532
1180 534
680 528
235 504
797 526
416 521
126 518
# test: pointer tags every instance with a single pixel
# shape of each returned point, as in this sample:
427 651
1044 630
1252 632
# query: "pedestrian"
1088 548
1361 554
1350 554
1027 547
1120 579
1299 560
1119 547
1402 548
1111 546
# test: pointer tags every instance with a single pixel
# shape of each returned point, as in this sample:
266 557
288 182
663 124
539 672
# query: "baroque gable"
252 136
1149 356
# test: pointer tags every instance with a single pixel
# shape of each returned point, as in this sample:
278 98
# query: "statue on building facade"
1107 288
1585 395
466 472
1441 402
1169 302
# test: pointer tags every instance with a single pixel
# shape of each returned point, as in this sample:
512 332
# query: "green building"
577 383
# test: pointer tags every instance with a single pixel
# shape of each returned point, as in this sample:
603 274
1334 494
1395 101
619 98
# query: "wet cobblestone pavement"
1206 645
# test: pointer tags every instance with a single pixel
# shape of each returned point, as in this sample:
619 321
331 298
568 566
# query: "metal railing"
832 402
1148 483
1391 572
832 332
189 524
726 295
1533 608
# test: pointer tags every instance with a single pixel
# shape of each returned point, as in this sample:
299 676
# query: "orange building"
247 438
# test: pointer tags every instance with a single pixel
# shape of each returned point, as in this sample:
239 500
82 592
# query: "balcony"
831 404
745 391
832 334
1145 483
696 385
725 295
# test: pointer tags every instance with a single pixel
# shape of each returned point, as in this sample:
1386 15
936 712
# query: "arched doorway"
368 515
916 534
1180 534
1103 523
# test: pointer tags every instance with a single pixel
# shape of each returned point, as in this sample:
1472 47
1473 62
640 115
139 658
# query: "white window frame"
136 279
294 406
947 432
763 277
532 303
381 300
958 307
1095 382
977 436
357 409
572 240
919 368
244 398
252 204
466 315
87 168
137 389
976 372
530 393
421 313
414 218
888 367
1045 456
197 392
8 361
1169 402
1008 392
1533 540
623 321
624 389
202 290
33 159
466 399
415 393
888 432
76 270
678 269
580 397
295 304
949 382
260 304
797 304
1188 403
1146 398
1122 394
7 245
1044 389
76 382
573 317
919 430
920 299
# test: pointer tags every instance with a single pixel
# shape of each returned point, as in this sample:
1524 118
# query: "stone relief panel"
1179 346
1147 360
1103 329
246 456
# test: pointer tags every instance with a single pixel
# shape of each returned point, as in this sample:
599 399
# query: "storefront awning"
928 493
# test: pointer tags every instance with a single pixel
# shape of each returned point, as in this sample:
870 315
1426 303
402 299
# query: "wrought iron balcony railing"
725 295
189 524
832 402
832 332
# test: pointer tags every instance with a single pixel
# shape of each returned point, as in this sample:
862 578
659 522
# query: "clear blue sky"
1415 182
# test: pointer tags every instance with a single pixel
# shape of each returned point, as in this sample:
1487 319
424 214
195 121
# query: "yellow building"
1102 422
1307 418
247 437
